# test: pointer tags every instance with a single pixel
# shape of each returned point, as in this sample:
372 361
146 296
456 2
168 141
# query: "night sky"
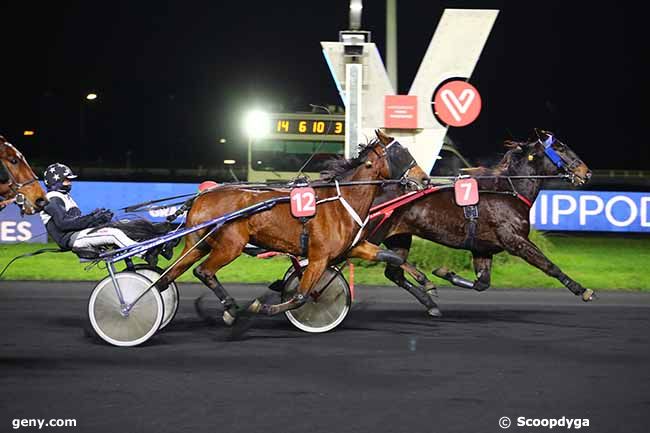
174 77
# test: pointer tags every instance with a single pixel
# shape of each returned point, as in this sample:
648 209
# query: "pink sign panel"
401 111
466 192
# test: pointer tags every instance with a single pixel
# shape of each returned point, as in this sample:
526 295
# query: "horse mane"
510 157
337 169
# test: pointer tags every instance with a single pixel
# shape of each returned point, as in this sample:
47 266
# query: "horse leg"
367 251
183 265
400 245
524 248
226 246
482 268
206 271
312 274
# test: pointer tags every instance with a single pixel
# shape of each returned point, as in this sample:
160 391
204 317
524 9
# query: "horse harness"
399 163
471 212
15 187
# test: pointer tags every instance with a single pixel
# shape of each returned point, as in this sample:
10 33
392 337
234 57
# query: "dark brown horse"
19 183
503 216
332 233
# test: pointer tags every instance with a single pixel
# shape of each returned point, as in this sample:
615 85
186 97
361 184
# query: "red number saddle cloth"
466 192
303 202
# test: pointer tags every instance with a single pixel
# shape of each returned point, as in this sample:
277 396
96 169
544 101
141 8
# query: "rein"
136 207
256 185
6 202
550 176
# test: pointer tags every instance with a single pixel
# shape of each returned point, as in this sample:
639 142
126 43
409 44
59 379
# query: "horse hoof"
427 284
254 307
588 295
198 306
434 312
432 293
228 318
440 272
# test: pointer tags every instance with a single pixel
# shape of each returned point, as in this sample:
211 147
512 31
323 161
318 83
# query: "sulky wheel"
326 308
141 322
170 295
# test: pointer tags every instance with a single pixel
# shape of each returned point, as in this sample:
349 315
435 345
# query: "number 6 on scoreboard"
303 202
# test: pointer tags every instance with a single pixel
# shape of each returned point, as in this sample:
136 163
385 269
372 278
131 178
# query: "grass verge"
595 262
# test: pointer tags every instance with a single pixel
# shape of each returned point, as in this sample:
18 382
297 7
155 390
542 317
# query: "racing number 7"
468 188
466 192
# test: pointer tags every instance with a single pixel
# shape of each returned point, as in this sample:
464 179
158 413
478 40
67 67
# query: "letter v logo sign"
453 51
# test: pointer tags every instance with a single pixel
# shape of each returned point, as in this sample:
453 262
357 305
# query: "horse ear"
542 134
385 139
512 145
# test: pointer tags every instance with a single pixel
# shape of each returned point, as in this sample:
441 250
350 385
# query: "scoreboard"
309 124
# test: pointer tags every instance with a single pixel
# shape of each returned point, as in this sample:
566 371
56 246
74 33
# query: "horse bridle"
560 161
19 198
399 159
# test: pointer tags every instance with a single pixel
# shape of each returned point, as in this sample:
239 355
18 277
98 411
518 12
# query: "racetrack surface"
388 368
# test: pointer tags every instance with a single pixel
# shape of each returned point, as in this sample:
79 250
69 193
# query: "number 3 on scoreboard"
303 202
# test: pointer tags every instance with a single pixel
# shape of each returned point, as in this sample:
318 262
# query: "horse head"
400 161
382 158
549 156
22 184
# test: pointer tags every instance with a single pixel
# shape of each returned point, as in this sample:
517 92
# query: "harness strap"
355 216
386 209
471 215
524 199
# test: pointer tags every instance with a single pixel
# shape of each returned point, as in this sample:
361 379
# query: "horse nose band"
558 159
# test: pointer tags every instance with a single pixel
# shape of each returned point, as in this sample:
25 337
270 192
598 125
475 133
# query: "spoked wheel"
170 295
136 327
326 308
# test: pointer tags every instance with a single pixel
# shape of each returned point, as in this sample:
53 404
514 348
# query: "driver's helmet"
55 174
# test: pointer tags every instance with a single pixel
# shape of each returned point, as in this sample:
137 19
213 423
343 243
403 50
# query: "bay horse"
507 193
19 184
332 233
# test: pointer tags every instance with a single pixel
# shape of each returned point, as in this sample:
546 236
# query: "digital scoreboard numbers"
309 127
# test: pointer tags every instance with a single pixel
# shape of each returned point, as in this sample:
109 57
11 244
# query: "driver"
63 219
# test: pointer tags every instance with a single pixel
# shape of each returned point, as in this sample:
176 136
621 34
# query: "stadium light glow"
257 123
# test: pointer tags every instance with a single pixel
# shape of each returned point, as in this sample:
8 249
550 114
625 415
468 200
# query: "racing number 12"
303 202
